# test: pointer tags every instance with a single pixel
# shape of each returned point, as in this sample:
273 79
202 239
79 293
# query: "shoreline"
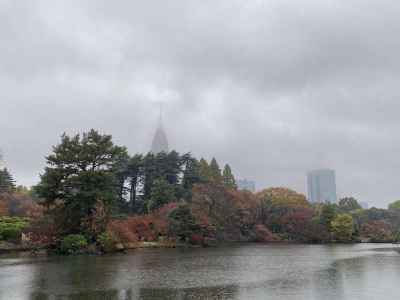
10 248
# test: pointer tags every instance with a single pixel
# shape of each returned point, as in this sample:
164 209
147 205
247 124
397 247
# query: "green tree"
80 175
135 172
191 175
204 171
215 172
183 223
394 205
165 166
328 212
7 182
348 204
342 227
162 193
228 178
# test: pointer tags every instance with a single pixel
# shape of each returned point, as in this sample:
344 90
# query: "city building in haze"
321 186
160 140
364 205
248 185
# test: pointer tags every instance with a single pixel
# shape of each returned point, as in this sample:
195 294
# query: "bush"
73 243
11 228
182 223
106 242
41 232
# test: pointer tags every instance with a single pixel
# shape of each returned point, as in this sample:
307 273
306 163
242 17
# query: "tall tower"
322 186
160 141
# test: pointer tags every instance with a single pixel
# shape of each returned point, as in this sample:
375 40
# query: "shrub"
73 243
41 232
142 228
11 228
182 223
106 241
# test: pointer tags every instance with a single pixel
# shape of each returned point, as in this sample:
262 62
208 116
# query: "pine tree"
7 182
204 171
162 193
81 175
191 175
228 178
215 171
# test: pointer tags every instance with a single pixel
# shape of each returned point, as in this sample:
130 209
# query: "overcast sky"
274 88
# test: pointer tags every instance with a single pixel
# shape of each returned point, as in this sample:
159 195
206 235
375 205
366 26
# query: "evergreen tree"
149 175
191 175
228 178
348 204
328 213
162 193
215 171
7 182
81 175
183 223
121 176
204 171
135 172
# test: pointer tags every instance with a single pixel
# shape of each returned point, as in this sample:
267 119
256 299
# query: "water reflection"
243 272
223 293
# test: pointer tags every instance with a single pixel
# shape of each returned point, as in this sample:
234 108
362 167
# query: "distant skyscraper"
321 186
248 185
160 141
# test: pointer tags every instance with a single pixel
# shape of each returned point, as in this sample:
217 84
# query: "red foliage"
20 205
197 239
377 231
263 235
234 211
41 232
296 221
142 228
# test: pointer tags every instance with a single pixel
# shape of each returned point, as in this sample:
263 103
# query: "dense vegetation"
93 192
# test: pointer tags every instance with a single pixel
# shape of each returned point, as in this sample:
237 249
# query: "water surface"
244 271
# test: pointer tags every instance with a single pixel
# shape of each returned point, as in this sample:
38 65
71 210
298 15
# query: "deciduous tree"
342 227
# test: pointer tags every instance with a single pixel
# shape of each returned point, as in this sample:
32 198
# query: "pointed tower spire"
160 141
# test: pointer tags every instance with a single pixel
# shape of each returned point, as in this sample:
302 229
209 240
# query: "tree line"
97 192
88 171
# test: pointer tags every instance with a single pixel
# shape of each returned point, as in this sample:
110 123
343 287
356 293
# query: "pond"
239 271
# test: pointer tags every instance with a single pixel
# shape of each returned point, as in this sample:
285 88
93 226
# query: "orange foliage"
142 228
227 212
3 208
20 205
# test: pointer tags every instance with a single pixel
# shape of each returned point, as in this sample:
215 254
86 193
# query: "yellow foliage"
282 197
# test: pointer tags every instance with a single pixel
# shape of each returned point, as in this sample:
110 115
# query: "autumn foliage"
19 205
146 228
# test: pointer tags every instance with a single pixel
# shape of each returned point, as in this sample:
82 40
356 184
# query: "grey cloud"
272 87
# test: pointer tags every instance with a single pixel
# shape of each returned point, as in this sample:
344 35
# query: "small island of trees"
93 196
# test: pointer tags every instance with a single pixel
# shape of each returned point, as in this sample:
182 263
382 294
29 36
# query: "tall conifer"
228 178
